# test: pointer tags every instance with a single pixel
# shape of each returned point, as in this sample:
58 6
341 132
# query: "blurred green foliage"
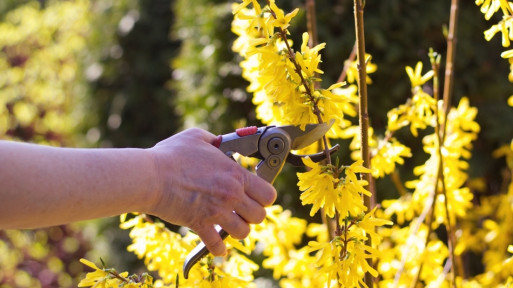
39 61
132 104
206 77
118 73
41 100
48 51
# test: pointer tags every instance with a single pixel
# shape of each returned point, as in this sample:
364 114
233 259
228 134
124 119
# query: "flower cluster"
109 278
325 189
345 256
439 194
504 26
284 82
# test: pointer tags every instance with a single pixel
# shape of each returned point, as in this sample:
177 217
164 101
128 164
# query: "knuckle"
195 131
229 189
225 196
213 212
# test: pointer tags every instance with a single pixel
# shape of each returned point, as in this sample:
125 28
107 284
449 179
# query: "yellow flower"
281 19
345 259
318 231
162 250
321 189
318 187
108 278
243 5
369 224
279 234
335 103
352 72
384 160
357 167
239 268
490 7
417 112
350 202
416 77
95 277
401 208
309 58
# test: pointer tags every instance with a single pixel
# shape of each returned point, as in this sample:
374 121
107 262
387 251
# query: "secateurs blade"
272 145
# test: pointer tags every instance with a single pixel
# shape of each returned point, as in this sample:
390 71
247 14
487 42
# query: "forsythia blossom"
109 278
325 190
345 257
449 197
282 80
164 251
504 26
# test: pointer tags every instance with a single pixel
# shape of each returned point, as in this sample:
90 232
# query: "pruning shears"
272 145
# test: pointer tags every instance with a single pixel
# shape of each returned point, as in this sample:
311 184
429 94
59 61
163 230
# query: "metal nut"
273 161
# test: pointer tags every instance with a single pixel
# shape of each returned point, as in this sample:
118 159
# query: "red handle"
241 132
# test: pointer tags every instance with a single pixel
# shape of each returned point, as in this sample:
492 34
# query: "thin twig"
363 110
118 276
396 180
311 23
447 97
451 52
362 89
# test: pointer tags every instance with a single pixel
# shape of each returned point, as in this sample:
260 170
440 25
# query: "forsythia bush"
397 242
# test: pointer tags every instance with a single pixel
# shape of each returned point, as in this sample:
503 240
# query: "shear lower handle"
197 253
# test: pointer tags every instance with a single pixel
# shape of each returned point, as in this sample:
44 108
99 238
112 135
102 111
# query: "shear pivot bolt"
276 145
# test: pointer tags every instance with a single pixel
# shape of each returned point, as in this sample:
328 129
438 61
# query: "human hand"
200 187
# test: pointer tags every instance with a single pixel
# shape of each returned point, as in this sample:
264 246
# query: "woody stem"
363 111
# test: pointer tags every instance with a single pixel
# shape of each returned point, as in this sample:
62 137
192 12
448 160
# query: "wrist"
154 190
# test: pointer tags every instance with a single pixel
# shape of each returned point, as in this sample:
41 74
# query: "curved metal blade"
303 138
199 252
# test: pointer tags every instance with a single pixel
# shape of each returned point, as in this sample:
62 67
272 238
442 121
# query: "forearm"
43 186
